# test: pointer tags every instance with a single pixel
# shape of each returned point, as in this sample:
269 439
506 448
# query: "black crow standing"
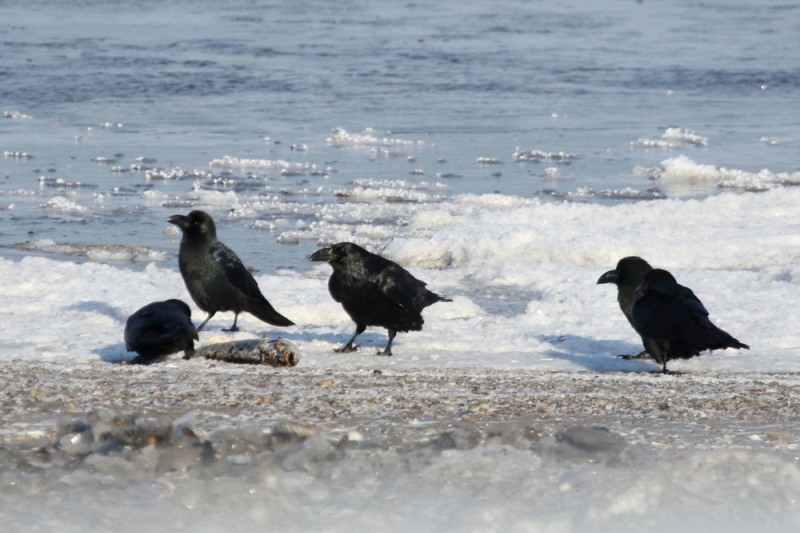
628 274
215 277
159 329
375 291
673 322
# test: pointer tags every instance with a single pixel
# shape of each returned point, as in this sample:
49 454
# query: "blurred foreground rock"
278 353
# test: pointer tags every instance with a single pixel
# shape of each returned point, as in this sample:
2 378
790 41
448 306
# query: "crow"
159 329
673 322
375 291
628 274
214 275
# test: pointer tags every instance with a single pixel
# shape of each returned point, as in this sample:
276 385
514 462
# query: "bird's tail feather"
431 298
264 311
726 340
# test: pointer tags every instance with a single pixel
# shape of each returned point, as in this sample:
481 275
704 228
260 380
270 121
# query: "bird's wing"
235 272
684 294
656 314
164 332
694 304
158 328
400 286
693 309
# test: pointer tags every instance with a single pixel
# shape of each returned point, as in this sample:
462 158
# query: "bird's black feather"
627 276
375 291
215 276
159 329
673 322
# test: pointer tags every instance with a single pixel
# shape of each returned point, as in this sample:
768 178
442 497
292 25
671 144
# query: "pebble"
414 407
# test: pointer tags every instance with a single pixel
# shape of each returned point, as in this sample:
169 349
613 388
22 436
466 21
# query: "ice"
65 205
176 174
673 138
16 115
502 477
386 194
776 140
16 154
539 155
264 165
369 137
681 170
60 183
102 253
521 272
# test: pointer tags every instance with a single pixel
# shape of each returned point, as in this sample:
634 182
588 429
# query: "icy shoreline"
36 395
457 449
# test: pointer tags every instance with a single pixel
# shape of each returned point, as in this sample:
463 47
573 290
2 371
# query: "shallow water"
528 99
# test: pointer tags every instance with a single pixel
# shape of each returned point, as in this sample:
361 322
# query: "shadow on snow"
597 355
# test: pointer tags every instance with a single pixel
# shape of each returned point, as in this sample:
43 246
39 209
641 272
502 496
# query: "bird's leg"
201 326
188 353
234 327
349 346
388 350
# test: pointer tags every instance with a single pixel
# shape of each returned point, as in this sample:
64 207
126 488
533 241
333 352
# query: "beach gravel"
409 405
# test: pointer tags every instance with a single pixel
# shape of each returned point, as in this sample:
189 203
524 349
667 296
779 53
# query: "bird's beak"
181 221
323 254
609 277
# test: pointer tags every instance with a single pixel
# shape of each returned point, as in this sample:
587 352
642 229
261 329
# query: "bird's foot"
346 349
231 329
669 373
188 354
640 355
387 353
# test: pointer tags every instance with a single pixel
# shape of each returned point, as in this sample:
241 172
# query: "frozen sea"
507 153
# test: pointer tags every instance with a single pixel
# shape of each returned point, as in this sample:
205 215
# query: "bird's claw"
387 353
640 355
346 349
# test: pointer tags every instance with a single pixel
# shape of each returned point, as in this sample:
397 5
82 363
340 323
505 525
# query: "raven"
214 275
375 291
159 329
628 274
673 322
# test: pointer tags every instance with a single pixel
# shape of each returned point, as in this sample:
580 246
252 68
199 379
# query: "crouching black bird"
673 322
159 329
215 277
628 274
375 291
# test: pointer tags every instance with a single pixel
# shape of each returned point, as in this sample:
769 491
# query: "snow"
521 273
522 276
439 437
